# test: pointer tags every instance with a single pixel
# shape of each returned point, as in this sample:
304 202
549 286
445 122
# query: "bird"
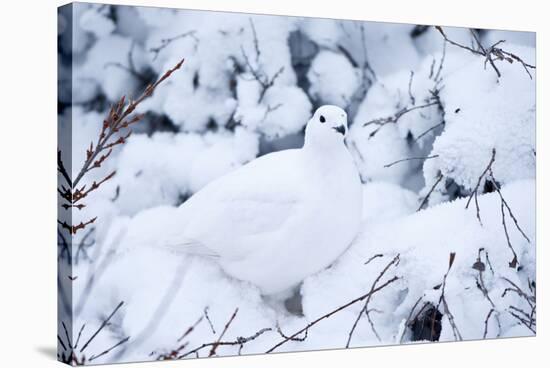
281 217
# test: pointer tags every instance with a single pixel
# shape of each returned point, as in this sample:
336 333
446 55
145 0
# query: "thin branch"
259 74
372 258
239 341
429 130
409 159
109 349
118 118
395 118
103 325
491 54
427 196
443 54
79 335
443 300
505 203
190 329
408 321
209 321
410 88
167 41
216 344
295 338
365 310
480 283
327 315
476 188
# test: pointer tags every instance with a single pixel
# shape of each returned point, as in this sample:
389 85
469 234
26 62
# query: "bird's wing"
227 216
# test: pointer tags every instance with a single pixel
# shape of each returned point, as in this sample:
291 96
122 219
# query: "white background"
28 180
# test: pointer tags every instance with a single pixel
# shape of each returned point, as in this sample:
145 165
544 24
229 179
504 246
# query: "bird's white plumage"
281 217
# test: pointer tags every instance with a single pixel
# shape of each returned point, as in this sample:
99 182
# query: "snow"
472 131
332 88
392 222
244 91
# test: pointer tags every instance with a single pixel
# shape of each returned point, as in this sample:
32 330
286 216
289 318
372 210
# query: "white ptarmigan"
282 216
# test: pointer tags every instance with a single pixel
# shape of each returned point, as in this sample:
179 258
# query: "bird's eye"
322 119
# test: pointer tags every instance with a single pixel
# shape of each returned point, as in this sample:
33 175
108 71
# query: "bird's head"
329 124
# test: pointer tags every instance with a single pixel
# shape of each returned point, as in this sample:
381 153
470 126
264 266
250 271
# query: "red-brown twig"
173 354
115 131
239 341
215 345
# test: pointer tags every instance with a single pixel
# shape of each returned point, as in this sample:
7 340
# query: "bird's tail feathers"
189 247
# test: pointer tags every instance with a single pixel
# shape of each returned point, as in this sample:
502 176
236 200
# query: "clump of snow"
283 110
335 88
165 168
96 21
423 263
473 130
107 65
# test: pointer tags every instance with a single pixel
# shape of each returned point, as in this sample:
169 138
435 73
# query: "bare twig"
480 283
328 315
476 188
365 309
295 338
215 345
409 318
427 196
83 244
505 203
124 340
102 326
429 130
438 74
373 258
239 341
209 321
259 74
131 67
491 54
410 88
167 41
395 118
409 159
111 135
70 354
443 300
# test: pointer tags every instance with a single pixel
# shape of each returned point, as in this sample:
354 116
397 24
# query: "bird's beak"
340 129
